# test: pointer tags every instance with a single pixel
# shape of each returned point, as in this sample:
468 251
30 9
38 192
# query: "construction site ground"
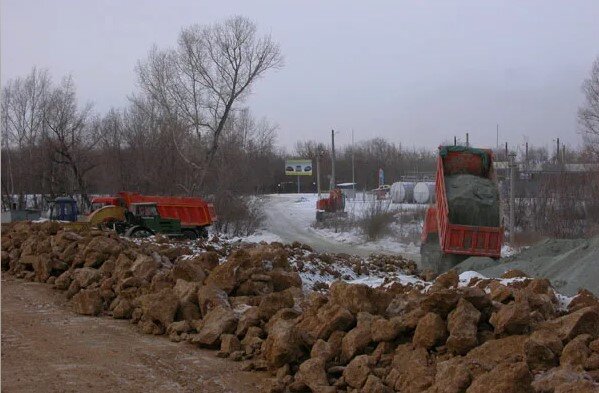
47 347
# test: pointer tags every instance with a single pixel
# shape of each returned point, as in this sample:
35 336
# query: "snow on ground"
465 277
292 218
508 251
563 301
259 236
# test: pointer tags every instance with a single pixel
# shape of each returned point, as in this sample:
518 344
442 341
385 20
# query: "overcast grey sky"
415 72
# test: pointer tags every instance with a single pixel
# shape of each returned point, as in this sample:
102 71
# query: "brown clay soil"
48 348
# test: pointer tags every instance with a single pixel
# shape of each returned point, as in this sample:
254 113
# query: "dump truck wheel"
204 233
190 234
139 232
319 216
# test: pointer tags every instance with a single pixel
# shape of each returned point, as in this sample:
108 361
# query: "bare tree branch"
588 114
199 83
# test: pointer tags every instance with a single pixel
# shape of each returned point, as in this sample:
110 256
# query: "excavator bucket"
106 214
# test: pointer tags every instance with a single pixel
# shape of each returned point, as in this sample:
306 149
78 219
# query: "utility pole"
512 159
333 182
467 140
455 140
318 156
557 152
497 142
353 170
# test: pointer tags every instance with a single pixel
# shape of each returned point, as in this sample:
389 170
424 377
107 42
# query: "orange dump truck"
194 213
445 243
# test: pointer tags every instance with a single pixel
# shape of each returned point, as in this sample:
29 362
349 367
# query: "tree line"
186 129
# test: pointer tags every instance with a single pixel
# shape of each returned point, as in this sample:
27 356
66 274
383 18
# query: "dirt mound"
570 264
515 334
318 270
472 200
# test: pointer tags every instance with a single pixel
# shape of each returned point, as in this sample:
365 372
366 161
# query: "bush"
238 215
376 219
563 206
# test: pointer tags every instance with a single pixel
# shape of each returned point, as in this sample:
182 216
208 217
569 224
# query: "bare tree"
23 104
198 83
70 135
588 114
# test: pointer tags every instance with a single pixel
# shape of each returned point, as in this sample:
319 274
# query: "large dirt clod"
87 302
357 371
188 270
505 378
220 320
159 308
543 349
430 331
462 324
283 344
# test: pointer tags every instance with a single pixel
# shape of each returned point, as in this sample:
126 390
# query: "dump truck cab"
144 220
333 205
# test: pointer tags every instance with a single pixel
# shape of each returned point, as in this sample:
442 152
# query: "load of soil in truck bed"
472 200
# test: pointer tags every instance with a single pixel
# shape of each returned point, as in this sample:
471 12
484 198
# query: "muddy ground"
47 347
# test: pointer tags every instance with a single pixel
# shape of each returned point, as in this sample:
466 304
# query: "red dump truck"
334 204
445 244
194 213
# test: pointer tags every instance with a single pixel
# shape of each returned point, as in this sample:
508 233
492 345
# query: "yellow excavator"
103 217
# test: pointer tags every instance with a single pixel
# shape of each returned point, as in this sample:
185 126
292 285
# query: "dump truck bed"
464 239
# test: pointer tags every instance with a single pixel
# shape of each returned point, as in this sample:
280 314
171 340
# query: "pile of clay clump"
514 334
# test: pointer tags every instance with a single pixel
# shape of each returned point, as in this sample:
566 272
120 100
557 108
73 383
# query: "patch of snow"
466 276
241 308
387 244
508 251
507 281
563 301
257 237
370 281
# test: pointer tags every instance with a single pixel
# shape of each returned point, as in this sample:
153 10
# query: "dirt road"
290 216
48 348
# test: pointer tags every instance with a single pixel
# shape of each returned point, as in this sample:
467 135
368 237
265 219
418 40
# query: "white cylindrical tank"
394 192
402 192
424 192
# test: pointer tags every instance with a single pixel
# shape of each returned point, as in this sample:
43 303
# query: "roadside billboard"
298 167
